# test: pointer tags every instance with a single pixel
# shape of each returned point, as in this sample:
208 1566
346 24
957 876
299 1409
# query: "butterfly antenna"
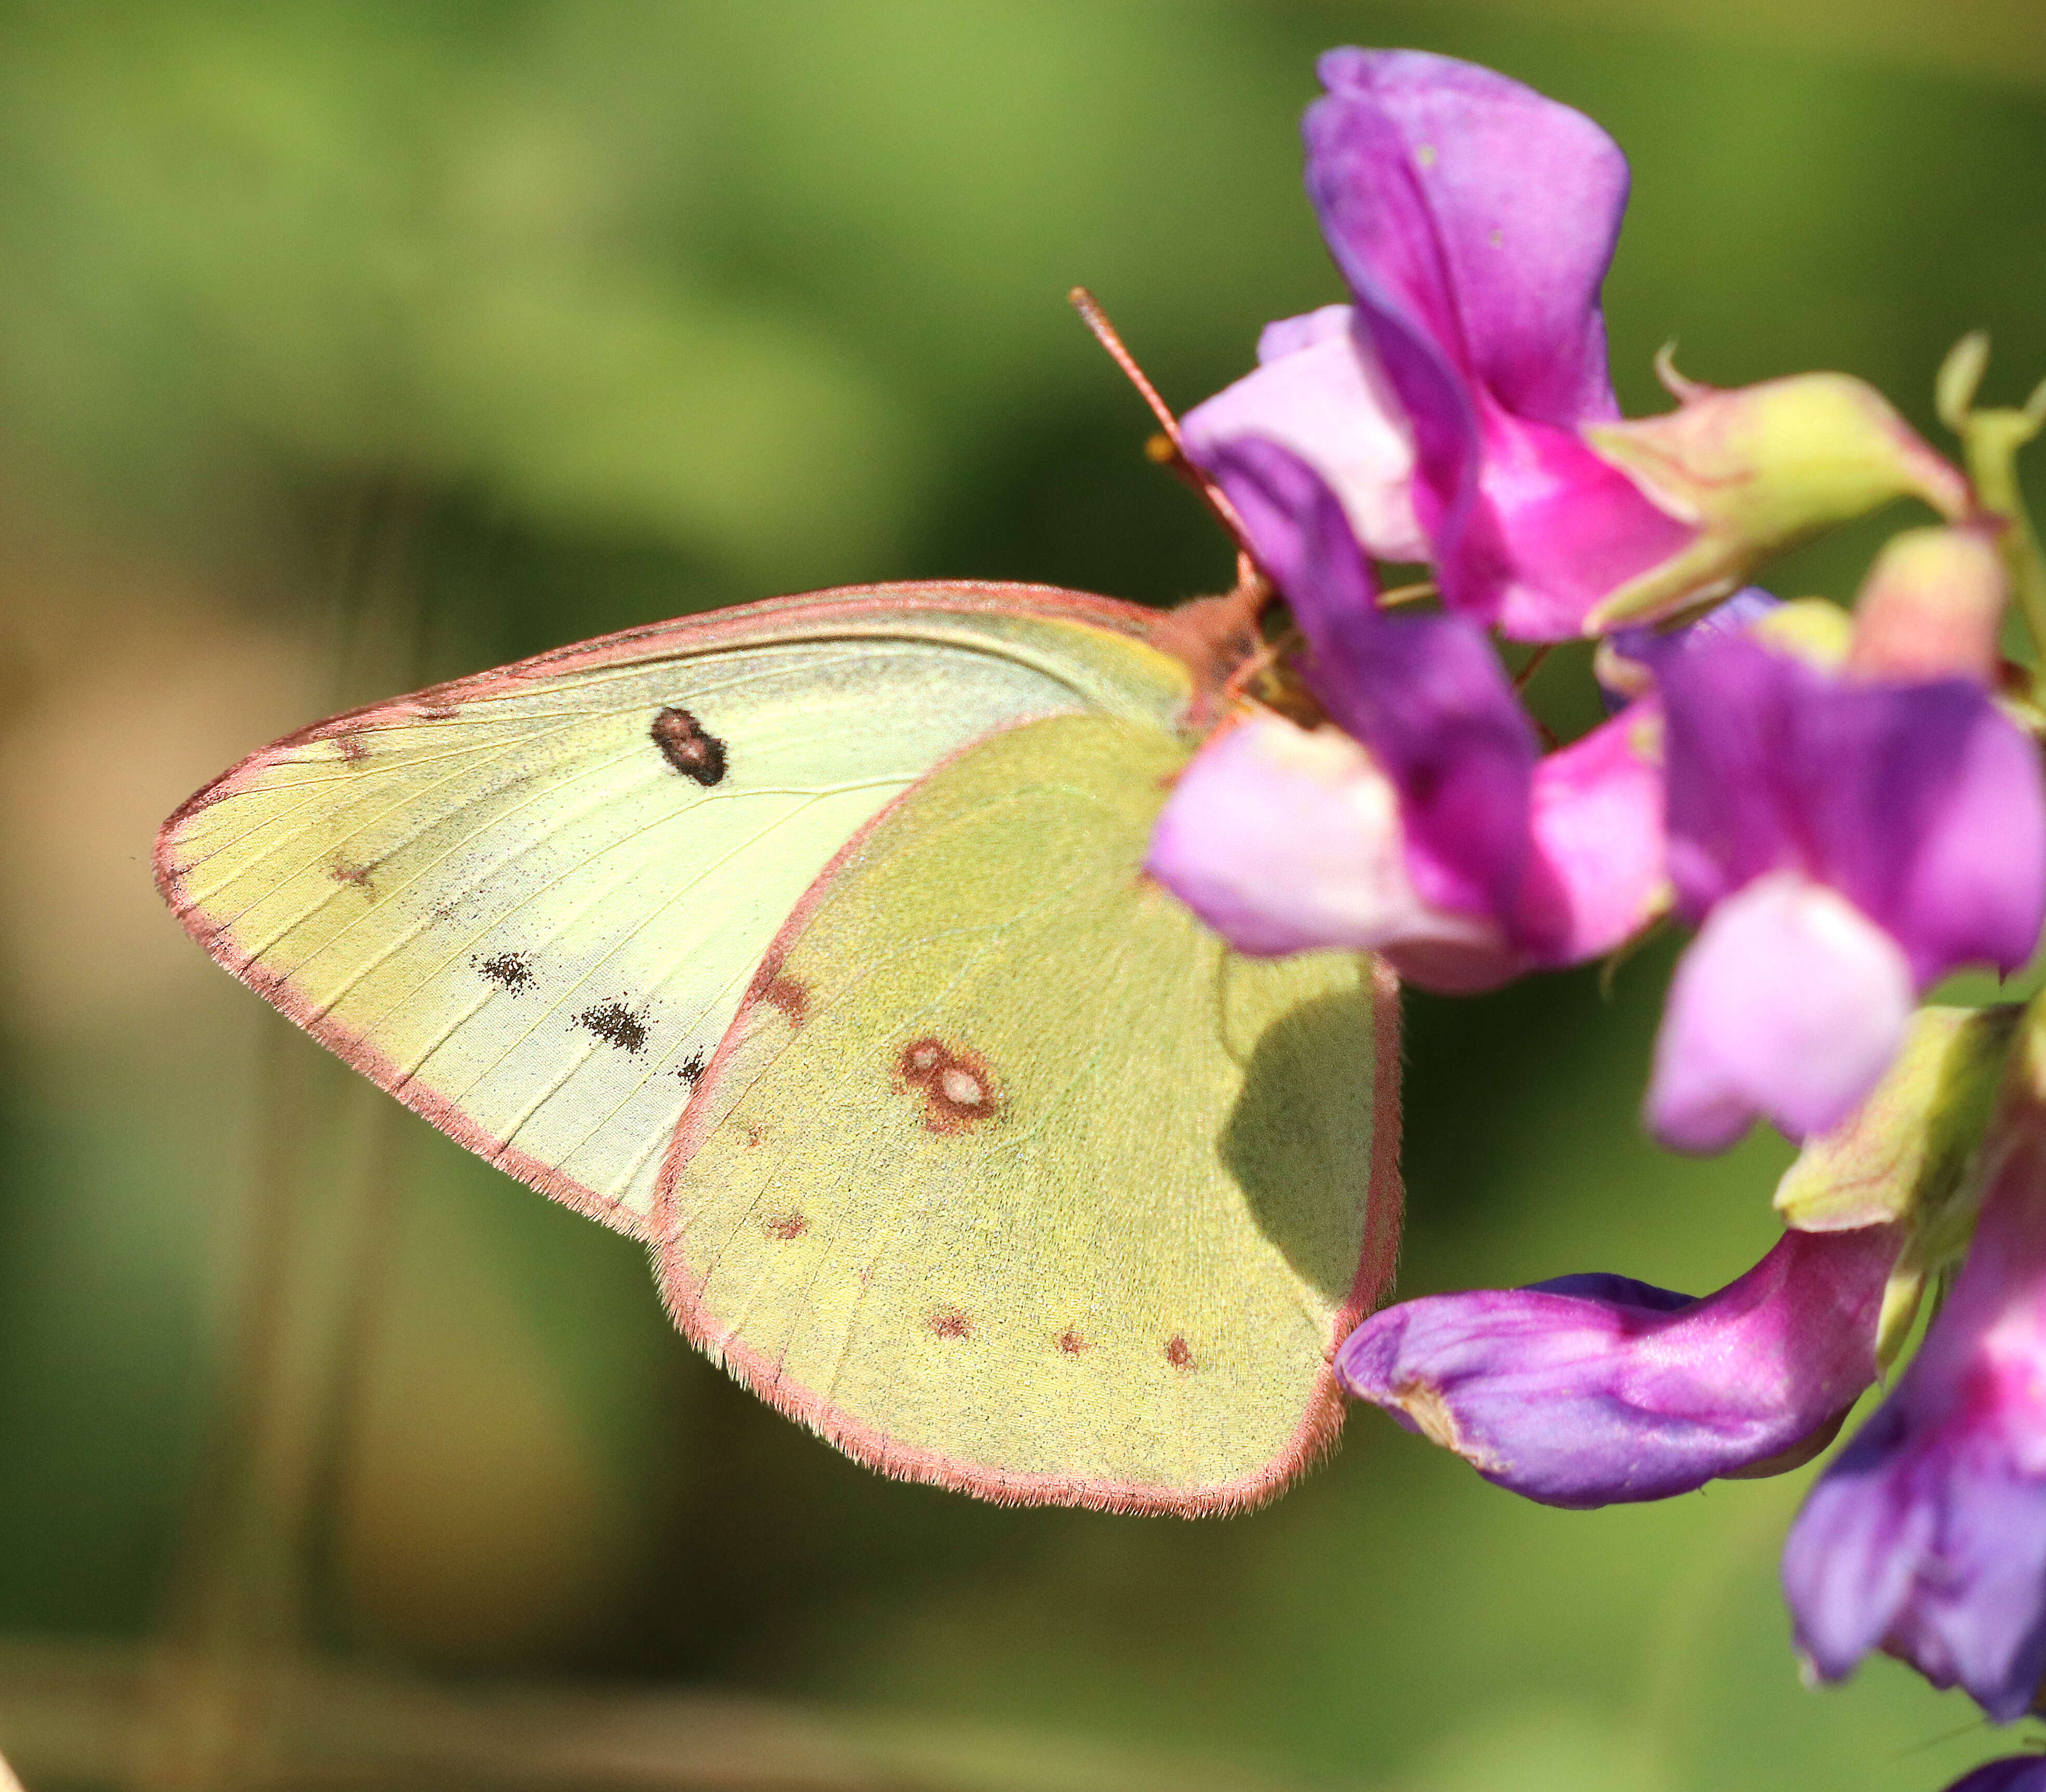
1525 677
1169 448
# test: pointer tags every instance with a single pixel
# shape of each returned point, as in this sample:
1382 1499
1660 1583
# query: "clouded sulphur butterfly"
808 942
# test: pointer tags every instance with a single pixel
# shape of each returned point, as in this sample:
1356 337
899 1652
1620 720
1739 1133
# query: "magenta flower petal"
1921 803
1590 1391
1735 797
1474 221
1318 391
1596 872
1532 530
1939 831
1286 841
1789 1005
1485 214
1426 695
1926 1537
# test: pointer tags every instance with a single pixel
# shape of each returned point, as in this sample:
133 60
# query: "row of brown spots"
949 1322
958 1091
688 746
511 971
615 1024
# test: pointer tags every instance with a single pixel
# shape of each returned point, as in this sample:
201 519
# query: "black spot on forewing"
686 745
615 1024
691 1068
508 970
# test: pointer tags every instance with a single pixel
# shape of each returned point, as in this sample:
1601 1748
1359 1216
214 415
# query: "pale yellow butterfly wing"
1010 1176
529 904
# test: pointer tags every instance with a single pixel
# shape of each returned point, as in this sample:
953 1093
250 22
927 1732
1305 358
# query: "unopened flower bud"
1931 607
1809 629
1756 469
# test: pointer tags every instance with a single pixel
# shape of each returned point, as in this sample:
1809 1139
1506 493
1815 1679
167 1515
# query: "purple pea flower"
1842 842
1473 220
1926 1537
1461 408
2014 1772
1424 826
1590 1390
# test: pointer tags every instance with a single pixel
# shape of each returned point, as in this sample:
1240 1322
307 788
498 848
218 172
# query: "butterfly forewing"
530 904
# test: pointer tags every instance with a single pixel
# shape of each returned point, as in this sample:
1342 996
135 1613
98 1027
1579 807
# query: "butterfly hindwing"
529 904
1011 1177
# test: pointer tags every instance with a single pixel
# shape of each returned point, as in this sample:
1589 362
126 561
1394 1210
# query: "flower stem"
1992 439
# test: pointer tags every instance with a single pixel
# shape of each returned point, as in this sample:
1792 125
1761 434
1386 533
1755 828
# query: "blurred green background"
584 313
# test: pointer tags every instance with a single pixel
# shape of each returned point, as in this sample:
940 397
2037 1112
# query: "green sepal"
1758 469
1903 1159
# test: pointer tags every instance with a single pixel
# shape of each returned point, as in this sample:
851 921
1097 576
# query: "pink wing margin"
745 625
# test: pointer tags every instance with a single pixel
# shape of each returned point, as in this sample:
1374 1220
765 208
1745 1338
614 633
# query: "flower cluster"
1842 808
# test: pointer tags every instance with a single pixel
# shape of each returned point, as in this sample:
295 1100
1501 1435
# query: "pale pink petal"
1283 840
1319 392
1789 1006
1288 336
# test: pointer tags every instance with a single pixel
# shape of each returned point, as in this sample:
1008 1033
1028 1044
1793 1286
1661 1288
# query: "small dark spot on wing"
352 746
508 970
791 997
615 1024
787 1227
346 870
688 746
1177 1352
777 989
949 1321
691 1069
1072 1343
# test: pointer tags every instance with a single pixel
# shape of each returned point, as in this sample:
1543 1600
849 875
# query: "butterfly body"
809 942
